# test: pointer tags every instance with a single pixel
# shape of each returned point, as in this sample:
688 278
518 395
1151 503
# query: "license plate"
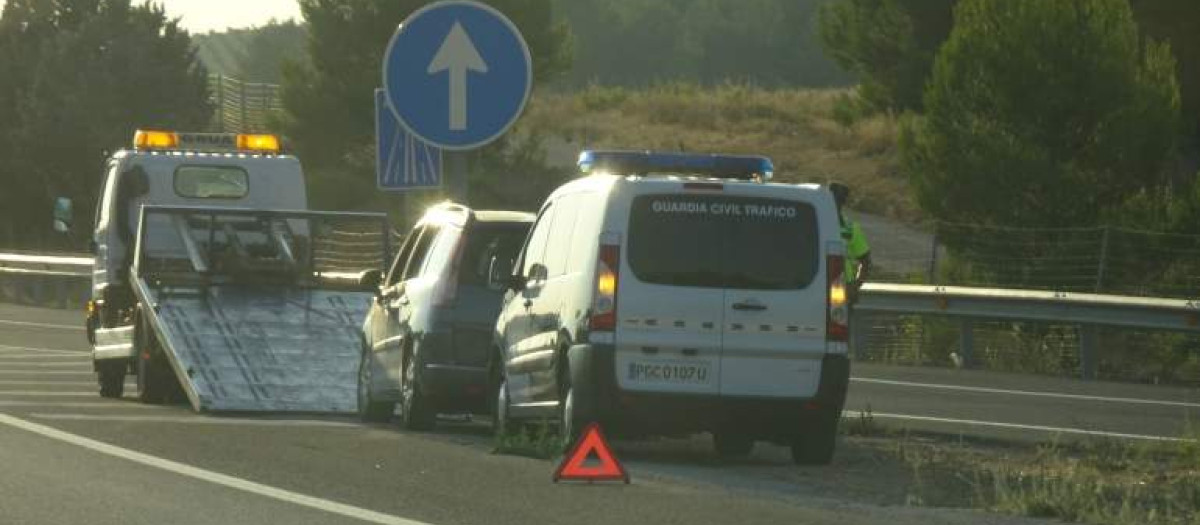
669 372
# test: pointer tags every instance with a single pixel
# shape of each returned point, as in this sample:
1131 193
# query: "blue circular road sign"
457 74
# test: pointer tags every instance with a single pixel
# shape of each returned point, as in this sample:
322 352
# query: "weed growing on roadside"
540 441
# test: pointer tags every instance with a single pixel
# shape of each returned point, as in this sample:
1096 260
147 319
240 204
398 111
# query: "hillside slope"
795 127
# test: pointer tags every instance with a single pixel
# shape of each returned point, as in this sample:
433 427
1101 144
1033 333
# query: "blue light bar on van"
648 162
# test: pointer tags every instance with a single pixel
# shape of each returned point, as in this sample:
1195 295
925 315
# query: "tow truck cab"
180 169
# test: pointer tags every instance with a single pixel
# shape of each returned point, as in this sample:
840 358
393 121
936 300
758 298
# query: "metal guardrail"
62 280
59 281
1089 311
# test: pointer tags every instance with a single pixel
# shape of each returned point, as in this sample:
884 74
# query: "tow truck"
214 283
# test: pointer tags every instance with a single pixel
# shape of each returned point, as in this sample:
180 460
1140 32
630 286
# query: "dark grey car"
426 339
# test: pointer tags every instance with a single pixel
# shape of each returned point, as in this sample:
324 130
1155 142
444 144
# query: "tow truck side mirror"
63 214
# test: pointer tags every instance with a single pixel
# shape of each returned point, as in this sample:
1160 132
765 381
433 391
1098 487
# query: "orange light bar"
260 143
146 139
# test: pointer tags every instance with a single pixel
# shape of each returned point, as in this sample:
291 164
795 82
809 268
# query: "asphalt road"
69 456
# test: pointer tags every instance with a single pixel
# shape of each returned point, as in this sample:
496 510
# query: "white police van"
176 169
676 293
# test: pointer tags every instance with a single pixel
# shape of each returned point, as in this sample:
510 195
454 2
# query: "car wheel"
732 444
111 376
815 445
416 413
369 410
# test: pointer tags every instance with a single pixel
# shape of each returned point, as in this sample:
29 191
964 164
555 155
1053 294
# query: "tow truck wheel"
111 376
732 444
150 387
416 413
369 410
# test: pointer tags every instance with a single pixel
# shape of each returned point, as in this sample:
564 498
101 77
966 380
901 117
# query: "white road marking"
985 390
56 351
198 420
215 478
30 393
24 372
42 325
87 367
55 383
74 356
99 403
1014 426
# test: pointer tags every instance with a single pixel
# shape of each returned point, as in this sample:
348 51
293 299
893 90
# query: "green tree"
888 44
269 46
329 107
1177 22
1041 114
80 77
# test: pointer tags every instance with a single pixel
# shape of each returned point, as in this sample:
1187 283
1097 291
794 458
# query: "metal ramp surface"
263 349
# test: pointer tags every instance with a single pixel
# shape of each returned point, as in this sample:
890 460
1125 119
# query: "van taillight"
837 319
604 305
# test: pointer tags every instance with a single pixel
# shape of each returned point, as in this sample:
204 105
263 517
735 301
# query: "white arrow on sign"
457 55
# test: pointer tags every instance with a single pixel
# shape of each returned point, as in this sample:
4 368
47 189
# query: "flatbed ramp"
264 349
256 310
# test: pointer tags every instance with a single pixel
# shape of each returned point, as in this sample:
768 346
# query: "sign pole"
457 169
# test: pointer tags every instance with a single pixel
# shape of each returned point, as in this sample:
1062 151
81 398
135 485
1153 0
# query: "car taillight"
604 305
837 320
448 290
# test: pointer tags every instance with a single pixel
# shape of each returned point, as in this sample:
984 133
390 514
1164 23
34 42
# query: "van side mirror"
370 280
500 275
63 215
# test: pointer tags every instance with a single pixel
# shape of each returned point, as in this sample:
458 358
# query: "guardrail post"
966 343
1089 340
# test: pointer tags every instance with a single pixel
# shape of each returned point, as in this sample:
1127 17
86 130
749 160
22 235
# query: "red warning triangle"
591 442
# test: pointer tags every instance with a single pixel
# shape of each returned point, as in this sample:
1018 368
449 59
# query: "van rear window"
723 242
211 182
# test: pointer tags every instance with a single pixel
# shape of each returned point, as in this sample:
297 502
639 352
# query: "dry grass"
795 127
1102 482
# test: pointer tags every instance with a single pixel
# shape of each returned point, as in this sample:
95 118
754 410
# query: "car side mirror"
63 214
500 275
370 280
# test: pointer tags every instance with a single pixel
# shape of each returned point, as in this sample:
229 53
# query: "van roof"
603 182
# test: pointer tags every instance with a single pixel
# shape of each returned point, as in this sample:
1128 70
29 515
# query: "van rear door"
773 337
670 297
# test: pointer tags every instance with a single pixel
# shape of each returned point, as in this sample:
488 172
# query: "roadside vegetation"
805 131
1096 481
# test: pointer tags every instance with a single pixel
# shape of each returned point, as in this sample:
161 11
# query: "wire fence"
1111 260
242 107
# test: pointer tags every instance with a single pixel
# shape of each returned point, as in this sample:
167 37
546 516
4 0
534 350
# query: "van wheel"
502 424
416 413
732 444
369 410
111 376
814 446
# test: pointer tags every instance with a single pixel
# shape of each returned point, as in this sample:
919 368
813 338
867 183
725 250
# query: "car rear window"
211 182
723 242
486 240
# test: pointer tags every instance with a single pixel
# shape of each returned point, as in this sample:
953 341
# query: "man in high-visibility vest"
858 252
